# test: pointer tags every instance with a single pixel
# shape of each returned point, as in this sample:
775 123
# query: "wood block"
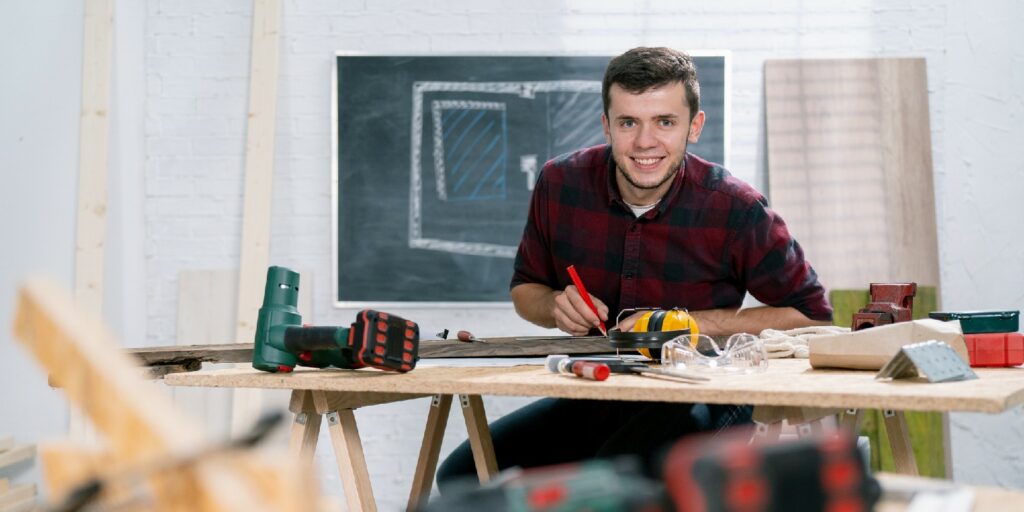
67 463
17 454
16 495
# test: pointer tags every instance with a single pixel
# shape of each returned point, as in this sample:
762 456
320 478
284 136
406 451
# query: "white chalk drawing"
473 136
470 146
528 165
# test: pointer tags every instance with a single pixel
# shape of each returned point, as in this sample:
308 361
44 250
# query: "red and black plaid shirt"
710 239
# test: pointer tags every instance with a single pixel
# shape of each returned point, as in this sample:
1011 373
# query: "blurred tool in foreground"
722 472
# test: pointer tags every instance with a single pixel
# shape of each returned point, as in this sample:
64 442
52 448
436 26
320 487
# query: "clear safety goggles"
743 353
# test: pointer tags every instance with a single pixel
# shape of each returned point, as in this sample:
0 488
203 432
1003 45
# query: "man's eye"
667 123
628 123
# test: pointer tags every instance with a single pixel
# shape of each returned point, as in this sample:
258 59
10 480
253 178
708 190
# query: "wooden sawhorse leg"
850 421
309 407
806 420
479 437
305 428
479 441
430 450
899 441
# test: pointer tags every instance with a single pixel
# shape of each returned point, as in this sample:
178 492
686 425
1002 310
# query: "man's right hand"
572 314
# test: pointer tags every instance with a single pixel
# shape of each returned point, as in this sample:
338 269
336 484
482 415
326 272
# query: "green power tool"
375 339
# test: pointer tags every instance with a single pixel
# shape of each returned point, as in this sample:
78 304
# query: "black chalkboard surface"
436 159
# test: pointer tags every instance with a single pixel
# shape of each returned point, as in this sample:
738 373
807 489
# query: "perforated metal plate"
933 359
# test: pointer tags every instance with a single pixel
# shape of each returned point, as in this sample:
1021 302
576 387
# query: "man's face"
648 133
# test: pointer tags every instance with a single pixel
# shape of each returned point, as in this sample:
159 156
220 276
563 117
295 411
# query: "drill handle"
308 339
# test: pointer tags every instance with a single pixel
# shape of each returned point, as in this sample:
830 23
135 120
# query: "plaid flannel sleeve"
772 265
533 259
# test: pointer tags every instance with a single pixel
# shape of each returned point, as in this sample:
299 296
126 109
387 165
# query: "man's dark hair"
641 69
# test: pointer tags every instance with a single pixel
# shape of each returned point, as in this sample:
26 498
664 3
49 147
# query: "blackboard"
435 160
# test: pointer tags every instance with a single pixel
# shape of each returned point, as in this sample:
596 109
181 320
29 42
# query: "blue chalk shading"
574 119
475 163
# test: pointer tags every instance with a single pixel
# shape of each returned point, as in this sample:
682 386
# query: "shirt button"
629 275
635 228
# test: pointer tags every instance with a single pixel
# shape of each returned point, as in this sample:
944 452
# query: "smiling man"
645 224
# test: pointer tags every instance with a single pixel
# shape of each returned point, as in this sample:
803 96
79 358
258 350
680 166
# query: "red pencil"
586 296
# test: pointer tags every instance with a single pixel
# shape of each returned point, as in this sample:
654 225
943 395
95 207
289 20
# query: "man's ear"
696 125
607 129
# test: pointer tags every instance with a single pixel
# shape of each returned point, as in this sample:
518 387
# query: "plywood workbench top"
788 382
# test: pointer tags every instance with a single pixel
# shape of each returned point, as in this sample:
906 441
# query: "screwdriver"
468 337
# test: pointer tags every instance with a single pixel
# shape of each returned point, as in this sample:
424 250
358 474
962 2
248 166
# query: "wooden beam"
17 454
94 126
93 155
259 177
139 422
88 364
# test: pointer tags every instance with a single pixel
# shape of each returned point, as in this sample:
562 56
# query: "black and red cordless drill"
375 339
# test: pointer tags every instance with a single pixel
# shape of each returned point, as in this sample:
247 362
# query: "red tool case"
995 349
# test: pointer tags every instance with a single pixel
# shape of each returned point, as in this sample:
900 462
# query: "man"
646 224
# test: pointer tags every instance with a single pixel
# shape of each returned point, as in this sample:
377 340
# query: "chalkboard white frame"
725 55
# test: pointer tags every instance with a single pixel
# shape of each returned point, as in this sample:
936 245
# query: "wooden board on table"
429 349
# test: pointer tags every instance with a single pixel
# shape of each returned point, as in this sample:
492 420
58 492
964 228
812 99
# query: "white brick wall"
196 82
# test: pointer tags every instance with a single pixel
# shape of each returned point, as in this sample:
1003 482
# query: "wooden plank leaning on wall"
850 169
259 177
93 156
